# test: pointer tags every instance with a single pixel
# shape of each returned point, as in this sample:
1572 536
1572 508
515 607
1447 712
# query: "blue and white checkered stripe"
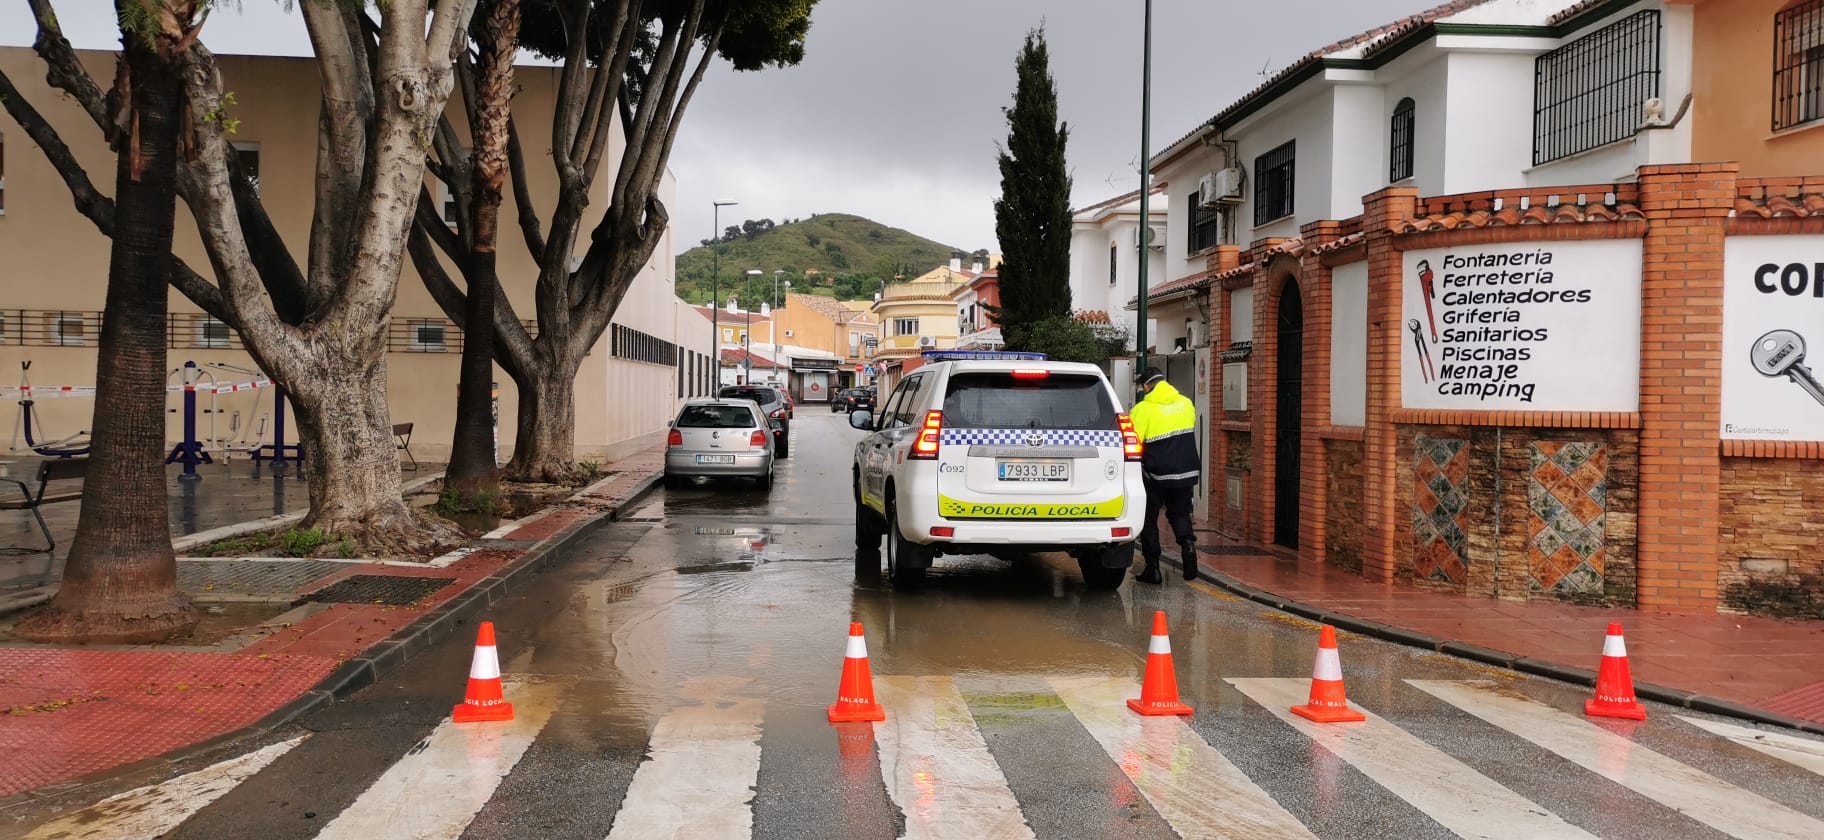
1017 437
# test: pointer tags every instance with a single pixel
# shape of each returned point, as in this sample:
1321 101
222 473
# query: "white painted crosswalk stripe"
1192 786
937 767
703 761
1803 752
153 810
1698 795
1445 789
435 790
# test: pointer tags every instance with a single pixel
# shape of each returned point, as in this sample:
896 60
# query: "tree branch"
66 72
522 197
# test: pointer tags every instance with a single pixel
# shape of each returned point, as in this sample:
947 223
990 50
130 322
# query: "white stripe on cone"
1329 668
486 665
1159 644
858 648
1613 646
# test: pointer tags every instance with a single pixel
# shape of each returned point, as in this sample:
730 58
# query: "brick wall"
1343 509
1769 529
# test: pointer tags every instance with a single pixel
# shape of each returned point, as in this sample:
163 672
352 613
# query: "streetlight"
747 297
1146 177
715 273
777 273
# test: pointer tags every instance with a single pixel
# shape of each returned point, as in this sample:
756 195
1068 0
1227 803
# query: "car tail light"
1030 373
1117 533
1130 440
676 438
757 440
943 531
778 414
925 448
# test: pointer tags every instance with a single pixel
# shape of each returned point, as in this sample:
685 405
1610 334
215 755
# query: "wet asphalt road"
673 682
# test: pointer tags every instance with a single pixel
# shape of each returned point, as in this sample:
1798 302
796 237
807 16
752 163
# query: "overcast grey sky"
896 110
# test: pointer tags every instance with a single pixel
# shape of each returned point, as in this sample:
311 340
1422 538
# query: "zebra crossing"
701 771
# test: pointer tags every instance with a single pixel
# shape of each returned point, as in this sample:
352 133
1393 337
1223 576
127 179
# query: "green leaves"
1032 216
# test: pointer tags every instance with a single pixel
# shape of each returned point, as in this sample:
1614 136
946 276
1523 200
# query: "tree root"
161 621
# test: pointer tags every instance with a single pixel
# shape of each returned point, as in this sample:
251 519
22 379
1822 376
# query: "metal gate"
1289 403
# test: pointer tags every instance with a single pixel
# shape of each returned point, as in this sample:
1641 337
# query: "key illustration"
1782 353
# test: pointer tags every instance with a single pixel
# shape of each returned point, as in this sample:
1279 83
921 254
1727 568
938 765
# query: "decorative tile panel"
1567 501
1440 475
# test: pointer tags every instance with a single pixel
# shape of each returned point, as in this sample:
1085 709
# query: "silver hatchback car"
716 438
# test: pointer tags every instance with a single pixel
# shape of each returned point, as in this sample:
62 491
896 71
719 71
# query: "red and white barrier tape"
48 392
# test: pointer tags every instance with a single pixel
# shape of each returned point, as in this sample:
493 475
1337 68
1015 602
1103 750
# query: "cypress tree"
1032 216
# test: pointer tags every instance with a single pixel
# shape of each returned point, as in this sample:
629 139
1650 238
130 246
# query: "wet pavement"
673 681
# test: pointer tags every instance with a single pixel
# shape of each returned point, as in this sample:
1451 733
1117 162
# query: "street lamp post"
747 297
1146 177
715 293
778 273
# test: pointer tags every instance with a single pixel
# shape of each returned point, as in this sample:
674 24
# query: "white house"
1105 256
1470 95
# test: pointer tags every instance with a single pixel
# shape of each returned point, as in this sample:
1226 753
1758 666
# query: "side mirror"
861 418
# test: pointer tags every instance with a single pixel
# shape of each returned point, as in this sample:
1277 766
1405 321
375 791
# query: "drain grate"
1233 551
391 590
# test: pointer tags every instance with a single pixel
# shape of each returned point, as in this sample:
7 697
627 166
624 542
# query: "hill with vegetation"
833 254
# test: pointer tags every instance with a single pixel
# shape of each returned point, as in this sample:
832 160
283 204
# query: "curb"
1490 656
383 656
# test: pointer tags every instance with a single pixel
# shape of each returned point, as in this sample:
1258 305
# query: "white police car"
998 453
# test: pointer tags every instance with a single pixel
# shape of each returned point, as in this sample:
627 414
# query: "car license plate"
1035 470
715 459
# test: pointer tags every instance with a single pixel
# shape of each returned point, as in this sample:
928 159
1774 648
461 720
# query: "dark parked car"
773 403
853 398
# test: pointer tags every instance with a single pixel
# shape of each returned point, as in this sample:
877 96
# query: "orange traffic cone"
483 700
1159 691
1328 705
855 694
1614 684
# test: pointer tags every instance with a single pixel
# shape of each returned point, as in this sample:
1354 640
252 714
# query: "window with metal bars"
1399 161
1206 226
1273 183
1798 64
1590 92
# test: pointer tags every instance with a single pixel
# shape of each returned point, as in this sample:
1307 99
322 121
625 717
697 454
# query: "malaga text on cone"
1614 683
1159 691
1328 703
855 693
483 700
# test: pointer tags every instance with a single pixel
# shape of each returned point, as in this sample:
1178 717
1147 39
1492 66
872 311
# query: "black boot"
1187 554
1150 574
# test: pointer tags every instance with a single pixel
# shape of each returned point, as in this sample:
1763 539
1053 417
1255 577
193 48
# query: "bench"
402 434
48 471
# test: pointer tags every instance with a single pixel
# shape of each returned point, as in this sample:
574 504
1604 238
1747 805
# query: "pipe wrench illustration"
1426 288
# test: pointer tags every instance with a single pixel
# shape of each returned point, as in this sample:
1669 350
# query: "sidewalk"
68 712
1765 665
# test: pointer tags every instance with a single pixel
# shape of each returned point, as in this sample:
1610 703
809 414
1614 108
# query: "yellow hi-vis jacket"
1166 423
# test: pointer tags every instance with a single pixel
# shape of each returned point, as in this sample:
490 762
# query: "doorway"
1289 402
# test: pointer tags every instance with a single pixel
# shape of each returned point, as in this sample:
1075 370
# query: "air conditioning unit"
927 341
1208 191
1156 237
1228 184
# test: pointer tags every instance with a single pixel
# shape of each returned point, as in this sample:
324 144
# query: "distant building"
976 299
821 323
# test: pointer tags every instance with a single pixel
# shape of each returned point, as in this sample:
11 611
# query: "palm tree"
120 581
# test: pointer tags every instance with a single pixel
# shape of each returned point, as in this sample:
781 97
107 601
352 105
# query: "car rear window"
1003 401
716 417
762 396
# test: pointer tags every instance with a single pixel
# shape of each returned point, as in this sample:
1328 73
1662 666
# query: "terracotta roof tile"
737 357
1537 214
1572 11
1338 243
1092 316
1781 206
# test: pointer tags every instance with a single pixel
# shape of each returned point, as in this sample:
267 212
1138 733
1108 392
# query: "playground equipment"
279 451
190 451
74 446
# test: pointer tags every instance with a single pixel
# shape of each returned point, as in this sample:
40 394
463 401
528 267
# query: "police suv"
998 453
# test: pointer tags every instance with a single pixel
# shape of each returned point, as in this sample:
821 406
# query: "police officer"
1169 465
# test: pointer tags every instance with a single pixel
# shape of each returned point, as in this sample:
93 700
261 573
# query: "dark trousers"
1176 502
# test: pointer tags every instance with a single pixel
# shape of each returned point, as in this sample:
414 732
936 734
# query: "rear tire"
906 560
673 482
764 483
1097 577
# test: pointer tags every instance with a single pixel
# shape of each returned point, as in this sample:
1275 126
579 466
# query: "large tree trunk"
120 580
351 459
473 473
544 449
